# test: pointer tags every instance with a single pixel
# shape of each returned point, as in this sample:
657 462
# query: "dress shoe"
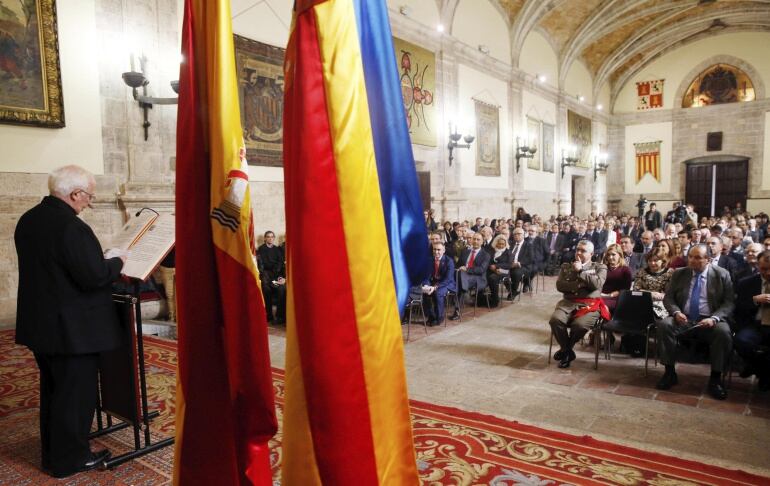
565 362
747 371
716 390
667 381
561 354
97 459
454 316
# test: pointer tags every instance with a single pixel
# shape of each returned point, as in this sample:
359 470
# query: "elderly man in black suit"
272 270
700 302
554 240
473 270
65 316
752 316
718 256
436 287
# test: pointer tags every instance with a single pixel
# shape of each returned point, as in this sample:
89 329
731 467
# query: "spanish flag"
225 412
356 240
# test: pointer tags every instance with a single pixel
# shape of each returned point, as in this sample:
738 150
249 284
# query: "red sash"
592 305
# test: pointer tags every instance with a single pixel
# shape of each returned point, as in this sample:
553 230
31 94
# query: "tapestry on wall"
533 139
30 78
647 160
417 69
649 94
487 139
548 148
579 135
260 92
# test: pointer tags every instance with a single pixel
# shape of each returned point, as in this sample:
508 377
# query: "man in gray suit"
700 301
581 283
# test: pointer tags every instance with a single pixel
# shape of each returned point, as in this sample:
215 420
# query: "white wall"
604 97
578 82
535 107
538 57
466 27
475 84
675 65
648 132
766 153
39 150
423 11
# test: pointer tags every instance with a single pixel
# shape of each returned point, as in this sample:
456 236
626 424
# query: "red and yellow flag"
225 411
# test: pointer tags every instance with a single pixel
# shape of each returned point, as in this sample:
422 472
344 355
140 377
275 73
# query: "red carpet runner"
453 446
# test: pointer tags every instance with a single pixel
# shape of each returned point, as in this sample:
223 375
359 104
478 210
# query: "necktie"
472 259
516 253
435 268
553 242
694 313
765 312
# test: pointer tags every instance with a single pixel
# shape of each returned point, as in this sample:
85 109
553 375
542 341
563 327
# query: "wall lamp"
454 138
135 80
569 158
525 151
600 164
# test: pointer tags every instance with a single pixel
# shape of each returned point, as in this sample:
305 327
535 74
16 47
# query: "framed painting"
579 135
487 139
417 73
30 76
260 92
547 147
533 135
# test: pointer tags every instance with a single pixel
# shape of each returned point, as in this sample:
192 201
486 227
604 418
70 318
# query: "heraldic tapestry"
579 135
417 70
488 139
260 92
30 79
647 159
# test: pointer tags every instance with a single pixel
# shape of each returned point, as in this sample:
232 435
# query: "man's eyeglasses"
91 197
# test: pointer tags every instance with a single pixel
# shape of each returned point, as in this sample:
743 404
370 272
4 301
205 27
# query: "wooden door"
698 187
423 179
732 184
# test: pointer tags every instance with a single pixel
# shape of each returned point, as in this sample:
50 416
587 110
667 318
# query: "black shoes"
98 459
454 316
717 390
564 357
667 381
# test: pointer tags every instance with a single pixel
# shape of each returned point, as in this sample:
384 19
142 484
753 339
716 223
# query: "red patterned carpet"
454 447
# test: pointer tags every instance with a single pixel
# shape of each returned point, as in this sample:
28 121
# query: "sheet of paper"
132 230
151 248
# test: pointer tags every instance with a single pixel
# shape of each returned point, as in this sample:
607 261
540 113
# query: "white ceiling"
267 21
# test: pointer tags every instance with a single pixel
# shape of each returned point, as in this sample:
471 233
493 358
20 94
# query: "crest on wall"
720 83
647 160
649 94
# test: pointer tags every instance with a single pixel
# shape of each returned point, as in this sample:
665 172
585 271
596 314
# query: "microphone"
148 209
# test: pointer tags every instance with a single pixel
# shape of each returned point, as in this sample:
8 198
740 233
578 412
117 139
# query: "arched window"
720 83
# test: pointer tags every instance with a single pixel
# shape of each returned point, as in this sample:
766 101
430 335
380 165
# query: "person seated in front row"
700 302
435 287
522 261
499 267
619 276
580 282
272 270
653 278
752 322
749 265
473 271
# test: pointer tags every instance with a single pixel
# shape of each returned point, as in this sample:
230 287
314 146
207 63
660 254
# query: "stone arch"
756 79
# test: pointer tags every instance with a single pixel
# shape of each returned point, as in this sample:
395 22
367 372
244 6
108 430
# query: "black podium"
123 385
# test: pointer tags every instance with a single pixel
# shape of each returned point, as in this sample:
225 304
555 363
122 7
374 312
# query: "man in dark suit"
522 261
554 240
473 270
435 287
652 218
752 320
719 258
571 239
272 270
540 250
600 239
65 316
634 261
700 301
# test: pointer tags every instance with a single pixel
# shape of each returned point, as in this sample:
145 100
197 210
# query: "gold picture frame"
30 75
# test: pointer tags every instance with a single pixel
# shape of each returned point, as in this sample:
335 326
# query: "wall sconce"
600 164
405 10
525 151
136 80
569 158
454 137
484 49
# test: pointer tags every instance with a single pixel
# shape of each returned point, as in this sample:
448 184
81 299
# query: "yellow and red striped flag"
225 411
350 182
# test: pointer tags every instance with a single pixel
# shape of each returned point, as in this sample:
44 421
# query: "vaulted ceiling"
617 38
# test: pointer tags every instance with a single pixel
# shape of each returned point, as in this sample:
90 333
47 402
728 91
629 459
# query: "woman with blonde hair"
499 267
619 276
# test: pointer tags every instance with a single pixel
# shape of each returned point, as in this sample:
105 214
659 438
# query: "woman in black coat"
499 267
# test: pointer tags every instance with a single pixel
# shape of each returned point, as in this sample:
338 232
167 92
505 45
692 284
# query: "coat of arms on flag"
650 94
647 159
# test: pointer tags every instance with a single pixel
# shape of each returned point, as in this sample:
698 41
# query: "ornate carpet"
454 447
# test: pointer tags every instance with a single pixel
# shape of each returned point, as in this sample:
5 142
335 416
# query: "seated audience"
634 261
473 271
685 241
700 302
673 253
435 287
499 267
522 261
752 316
653 278
718 258
619 276
449 233
580 282
555 241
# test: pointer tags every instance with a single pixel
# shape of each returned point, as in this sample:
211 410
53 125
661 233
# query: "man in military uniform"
581 282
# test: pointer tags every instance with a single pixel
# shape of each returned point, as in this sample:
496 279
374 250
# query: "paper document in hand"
150 247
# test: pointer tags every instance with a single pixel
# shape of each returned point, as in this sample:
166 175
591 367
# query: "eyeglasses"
91 197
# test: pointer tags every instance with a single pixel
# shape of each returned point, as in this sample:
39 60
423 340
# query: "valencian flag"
225 412
647 159
356 240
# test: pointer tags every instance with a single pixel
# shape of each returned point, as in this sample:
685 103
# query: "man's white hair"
65 180
589 246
